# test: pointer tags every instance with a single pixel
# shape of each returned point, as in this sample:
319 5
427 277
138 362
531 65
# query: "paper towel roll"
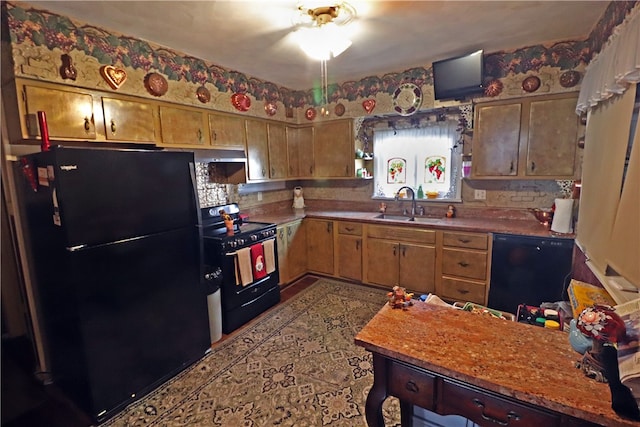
562 216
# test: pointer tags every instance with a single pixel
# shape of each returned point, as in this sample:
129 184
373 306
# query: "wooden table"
491 371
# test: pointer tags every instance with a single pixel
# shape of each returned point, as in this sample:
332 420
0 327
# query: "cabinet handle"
349 228
464 240
215 135
273 171
113 126
404 250
281 233
199 133
463 264
288 231
329 227
511 167
357 244
533 166
412 387
310 170
510 415
394 250
87 125
264 172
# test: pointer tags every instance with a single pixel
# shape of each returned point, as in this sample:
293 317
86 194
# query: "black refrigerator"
115 257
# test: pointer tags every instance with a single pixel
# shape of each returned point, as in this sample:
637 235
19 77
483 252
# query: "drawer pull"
463 264
349 228
412 387
87 126
510 416
464 240
113 126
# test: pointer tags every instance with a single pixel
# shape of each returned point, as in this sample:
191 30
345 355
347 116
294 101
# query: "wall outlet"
480 194
259 196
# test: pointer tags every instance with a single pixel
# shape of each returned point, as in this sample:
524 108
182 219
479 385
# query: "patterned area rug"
297 366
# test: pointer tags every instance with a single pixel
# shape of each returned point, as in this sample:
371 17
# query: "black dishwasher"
529 270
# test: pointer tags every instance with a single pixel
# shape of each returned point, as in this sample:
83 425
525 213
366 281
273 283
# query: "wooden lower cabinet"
401 256
348 253
465 267
320 246
292 251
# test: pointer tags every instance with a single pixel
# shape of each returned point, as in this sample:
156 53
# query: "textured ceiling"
253 37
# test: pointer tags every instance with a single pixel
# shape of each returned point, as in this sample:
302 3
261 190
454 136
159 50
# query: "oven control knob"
254 237
232 243
240 241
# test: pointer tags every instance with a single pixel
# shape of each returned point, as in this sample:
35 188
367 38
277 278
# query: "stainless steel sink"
427 220
393 217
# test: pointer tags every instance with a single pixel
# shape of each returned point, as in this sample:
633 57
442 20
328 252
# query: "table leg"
406 414
378 393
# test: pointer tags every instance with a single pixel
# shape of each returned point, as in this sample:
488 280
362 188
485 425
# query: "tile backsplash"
210 193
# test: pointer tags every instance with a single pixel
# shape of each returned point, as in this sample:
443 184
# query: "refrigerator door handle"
75 248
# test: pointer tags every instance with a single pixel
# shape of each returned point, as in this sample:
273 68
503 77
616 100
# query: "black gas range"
243 258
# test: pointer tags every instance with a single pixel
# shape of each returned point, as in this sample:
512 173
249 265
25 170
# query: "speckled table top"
525 362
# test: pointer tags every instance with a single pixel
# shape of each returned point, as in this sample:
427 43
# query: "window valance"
615 67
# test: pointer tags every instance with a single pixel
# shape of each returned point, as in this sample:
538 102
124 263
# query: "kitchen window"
429 157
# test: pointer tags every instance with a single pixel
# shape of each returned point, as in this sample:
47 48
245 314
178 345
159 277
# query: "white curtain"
615 67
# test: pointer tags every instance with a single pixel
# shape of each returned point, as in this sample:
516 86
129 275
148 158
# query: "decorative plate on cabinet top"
531 84
270 108
569 78
241 101
494 88
310 114
156 84
339 110
203 94
407 98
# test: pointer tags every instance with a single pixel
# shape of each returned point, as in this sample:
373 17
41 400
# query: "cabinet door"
496 139
227 131
333 149
350 257
299 152
296 249
182 127
277 151
257 151
382 262
553 129
128 120
320 245
417 267
69 114
281 243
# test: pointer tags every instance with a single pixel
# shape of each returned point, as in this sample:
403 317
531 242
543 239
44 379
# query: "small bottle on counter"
420 192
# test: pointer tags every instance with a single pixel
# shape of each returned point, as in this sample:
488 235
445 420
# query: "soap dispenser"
420 192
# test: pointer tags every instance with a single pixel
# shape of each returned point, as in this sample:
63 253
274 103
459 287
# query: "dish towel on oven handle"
270 255
243 260
257 261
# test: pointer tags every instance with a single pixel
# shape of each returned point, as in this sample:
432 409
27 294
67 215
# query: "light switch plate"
480 194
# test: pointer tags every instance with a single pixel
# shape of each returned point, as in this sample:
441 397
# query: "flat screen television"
455 78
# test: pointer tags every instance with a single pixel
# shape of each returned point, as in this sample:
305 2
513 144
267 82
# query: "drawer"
352 228
489 409
463 290
405 234
465 240
463 263
411 385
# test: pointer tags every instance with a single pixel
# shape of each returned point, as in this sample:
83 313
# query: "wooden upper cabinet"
69 114
495 140
183 127
227 131
333 149
530 138
277 142
299 152
257 149
128 120
552 142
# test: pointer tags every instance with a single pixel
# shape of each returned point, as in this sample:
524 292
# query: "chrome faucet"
413 201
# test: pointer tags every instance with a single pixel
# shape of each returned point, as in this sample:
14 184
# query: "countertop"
525 362
526 227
